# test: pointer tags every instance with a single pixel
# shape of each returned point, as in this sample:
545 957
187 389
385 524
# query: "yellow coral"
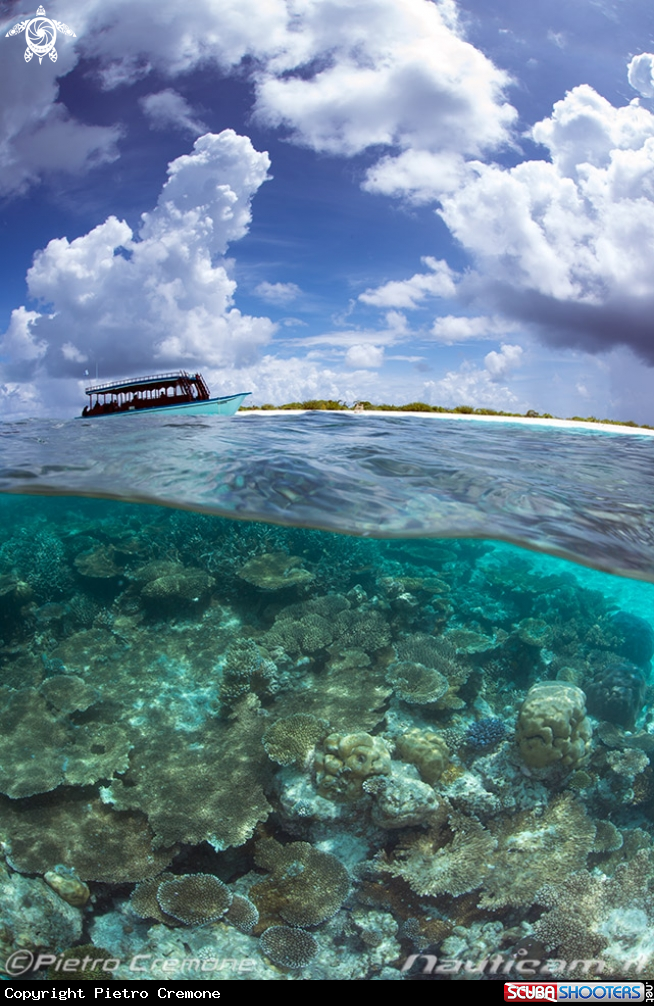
553 729
346 760
426 750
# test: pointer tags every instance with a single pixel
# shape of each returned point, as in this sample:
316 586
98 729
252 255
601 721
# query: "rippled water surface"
583 493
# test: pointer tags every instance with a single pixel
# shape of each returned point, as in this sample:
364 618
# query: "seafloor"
235 750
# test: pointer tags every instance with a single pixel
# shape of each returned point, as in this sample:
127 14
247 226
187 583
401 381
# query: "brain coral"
306 886
553 729
346 760
426 750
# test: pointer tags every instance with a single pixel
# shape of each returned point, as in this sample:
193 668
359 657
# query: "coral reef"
314 755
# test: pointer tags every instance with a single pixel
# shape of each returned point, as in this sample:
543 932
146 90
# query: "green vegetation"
468 410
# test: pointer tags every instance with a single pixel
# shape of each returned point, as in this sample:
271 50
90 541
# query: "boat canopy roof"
152 382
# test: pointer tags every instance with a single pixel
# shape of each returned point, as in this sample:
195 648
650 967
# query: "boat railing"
131 381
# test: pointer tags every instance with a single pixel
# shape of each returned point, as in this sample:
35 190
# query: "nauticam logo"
41 35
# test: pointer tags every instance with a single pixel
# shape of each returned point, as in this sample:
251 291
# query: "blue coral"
485 733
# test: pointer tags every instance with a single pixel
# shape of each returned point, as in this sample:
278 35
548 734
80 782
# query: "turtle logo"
41 35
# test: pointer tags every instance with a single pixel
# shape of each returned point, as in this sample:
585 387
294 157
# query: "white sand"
562 423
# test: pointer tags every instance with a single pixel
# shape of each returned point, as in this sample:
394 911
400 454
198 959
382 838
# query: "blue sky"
394 200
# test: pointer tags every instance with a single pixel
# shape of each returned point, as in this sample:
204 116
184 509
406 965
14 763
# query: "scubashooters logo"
41 35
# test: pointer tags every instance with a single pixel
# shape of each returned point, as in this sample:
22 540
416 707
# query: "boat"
175 392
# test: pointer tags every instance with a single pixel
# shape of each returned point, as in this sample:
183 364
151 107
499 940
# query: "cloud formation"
364 356
450 329
641 74
163 298
37 133
339 77
278 293
168 108
409 293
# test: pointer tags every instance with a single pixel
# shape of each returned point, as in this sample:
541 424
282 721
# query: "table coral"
40 749
306 886
289 947
199 786
186 589
292 739
92 839
242 913
194 899
346 760
415 683
440 656
275 571
535 847
553 729
453 858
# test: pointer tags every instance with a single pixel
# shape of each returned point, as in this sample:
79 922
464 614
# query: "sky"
381 200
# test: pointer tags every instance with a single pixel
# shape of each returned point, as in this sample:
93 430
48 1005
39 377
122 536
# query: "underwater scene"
250 744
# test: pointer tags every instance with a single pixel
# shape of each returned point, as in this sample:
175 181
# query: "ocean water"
325 697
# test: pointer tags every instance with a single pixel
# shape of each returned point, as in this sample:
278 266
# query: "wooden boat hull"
228 405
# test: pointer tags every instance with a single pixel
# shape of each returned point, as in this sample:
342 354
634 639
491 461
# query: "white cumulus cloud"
566 243
409 293
364 356
450 328
160 298
387 73
499 365
641 74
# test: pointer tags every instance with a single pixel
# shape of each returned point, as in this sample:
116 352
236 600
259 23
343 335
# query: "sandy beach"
570 424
